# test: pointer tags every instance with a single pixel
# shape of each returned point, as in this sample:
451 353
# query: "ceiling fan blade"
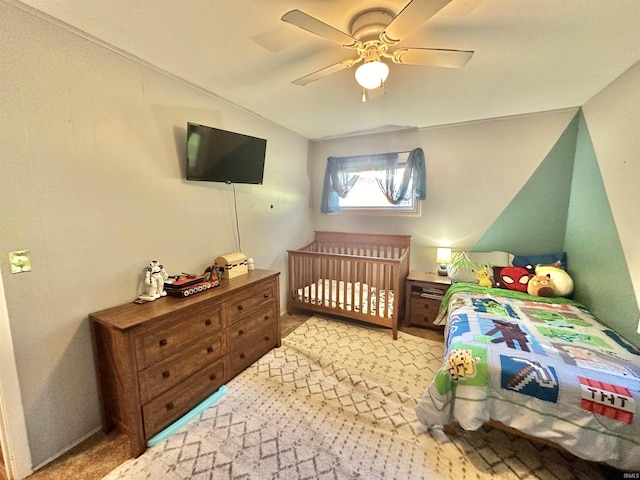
313 25
432 57
324 72
414 14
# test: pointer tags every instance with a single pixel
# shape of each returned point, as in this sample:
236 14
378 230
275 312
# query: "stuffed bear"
562 282
541 286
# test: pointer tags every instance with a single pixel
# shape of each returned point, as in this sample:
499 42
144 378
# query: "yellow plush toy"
482 276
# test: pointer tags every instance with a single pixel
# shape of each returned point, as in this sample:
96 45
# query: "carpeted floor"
337 401
90 460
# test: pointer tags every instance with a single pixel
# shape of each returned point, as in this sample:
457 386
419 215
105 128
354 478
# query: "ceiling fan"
374 34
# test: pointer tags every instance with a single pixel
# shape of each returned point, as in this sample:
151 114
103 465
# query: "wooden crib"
354 275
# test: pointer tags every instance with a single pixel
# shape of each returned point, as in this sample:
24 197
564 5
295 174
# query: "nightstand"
424 295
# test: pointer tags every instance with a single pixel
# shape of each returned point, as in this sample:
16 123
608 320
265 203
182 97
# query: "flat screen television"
215 155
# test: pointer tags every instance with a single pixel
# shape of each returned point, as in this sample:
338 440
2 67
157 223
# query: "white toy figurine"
154 280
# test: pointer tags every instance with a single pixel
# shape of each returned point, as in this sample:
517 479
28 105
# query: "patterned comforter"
547 369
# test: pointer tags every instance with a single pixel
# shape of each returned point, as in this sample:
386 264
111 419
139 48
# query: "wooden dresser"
158 360
424 294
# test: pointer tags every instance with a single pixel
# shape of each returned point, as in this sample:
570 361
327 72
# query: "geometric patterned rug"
337 401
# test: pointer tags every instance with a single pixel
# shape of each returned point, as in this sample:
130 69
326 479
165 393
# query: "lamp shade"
443 255
372 74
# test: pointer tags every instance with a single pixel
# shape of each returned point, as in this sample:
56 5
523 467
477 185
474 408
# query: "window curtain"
342 174
414 168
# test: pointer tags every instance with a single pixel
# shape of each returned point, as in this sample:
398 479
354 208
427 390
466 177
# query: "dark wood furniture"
158 360
353 275
424 295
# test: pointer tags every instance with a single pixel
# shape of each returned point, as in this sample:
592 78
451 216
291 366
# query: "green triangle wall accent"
535 220
579 222
595 256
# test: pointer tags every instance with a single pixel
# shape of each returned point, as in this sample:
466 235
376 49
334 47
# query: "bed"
352 275
542 366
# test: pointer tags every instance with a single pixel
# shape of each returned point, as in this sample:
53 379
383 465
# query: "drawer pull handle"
266 295
166 374
169 406
241 332
162 342
207 322
212 376
242 355
239 307
266 337
209 349
267 316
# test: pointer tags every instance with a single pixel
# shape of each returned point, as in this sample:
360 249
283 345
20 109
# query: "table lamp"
443 257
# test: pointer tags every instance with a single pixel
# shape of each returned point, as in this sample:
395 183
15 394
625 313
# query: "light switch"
20 261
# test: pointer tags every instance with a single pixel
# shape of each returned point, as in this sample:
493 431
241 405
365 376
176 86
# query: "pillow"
463 264
511 278
543 259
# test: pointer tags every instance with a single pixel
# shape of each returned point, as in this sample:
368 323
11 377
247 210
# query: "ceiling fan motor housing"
366 26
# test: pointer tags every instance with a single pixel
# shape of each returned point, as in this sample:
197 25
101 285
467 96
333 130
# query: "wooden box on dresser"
158 360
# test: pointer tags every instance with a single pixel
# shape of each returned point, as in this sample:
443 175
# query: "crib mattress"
356 297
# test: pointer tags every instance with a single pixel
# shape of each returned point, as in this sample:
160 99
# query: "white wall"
473 171
92 154
613 119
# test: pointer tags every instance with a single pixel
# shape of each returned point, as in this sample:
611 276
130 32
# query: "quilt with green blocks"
547 368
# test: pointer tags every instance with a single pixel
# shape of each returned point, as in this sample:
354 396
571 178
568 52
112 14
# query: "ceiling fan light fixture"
372 74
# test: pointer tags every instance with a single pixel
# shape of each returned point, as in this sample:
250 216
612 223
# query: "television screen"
215 155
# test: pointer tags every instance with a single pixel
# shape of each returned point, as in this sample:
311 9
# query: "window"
367 194
383 183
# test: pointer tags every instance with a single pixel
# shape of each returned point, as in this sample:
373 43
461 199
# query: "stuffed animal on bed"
483 278
512 278
541 286
562 282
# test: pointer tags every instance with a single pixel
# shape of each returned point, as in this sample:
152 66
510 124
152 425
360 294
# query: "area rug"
337 401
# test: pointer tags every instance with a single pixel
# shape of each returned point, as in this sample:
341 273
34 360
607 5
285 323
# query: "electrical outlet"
20 261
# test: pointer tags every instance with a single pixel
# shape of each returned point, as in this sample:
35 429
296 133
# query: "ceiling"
530 56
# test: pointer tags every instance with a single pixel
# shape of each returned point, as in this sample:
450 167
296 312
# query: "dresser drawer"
237 307
250 324
247 351
423 312
174 403
174 334
166 374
